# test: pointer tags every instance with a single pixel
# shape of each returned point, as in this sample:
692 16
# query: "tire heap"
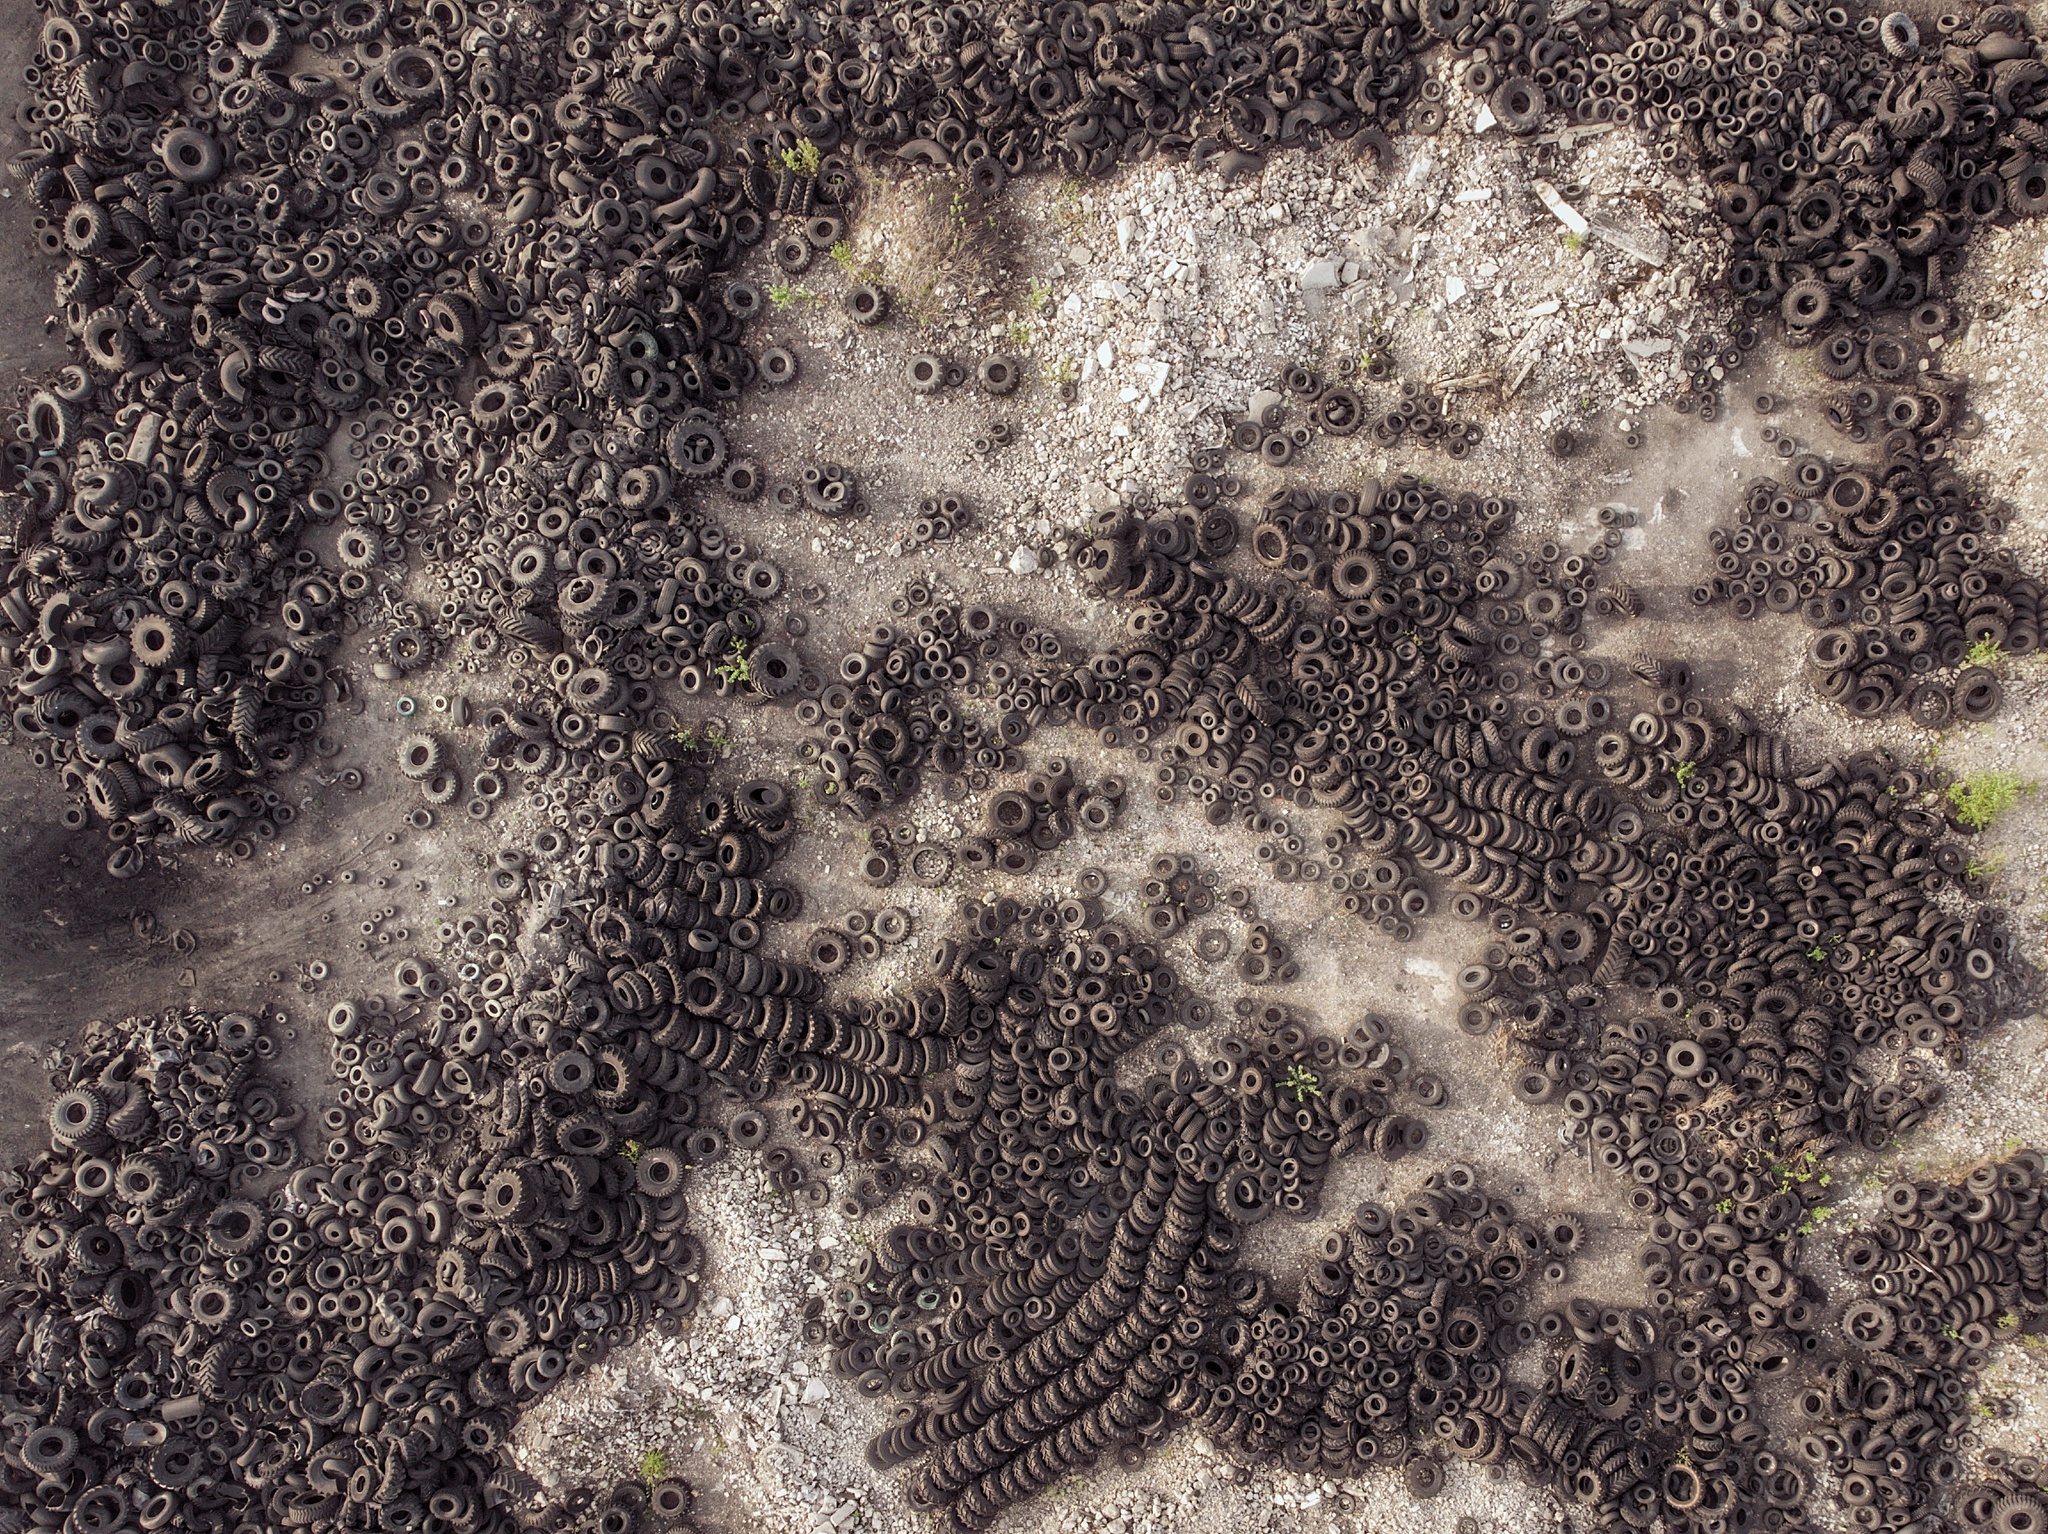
1945 1269
513 235
1890 564
496 1199
495 229
1094 1229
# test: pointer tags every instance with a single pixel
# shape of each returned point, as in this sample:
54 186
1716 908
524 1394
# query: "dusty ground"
1165 298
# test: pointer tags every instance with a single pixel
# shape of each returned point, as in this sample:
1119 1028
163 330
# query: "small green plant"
687 739
632 1150
782 295
1818 954
803 158
842 252
1984 652
1303 1083
1724 1206
717 740
1066 202
736 668
1984 868
653 1465
1807 1168
1984 796
1684 772
1574 242
1035 298
1020 336
1820 1215
1062 372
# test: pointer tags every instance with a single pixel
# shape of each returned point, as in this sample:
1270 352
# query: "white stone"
1105 355
1319 276
815 1390
1023 561
1454 288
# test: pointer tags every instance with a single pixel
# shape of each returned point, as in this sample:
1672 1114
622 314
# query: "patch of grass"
1984 652
1020 336
718 740
1574 243
1820 1215
803 159
1304 1084
1684 771
1035 297
653 1465
632 1150
783 294
1066 203
1062 372
1982 797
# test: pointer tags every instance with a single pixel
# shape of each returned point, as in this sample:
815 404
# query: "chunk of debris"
1561 210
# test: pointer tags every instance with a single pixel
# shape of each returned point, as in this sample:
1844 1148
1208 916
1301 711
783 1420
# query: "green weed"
1984 652
803 159
1304 1084
1984 796
653 1465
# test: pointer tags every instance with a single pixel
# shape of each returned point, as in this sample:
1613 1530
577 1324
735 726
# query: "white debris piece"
1561 210
1318 276
1023 561
1454 288
1647 347
1650 248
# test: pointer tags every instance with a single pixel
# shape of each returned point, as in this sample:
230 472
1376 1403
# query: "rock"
1023 561
1454 288
1651 247
815 1390
1319 276
1650 346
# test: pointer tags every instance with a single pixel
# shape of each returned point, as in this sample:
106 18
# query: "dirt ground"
1165 298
